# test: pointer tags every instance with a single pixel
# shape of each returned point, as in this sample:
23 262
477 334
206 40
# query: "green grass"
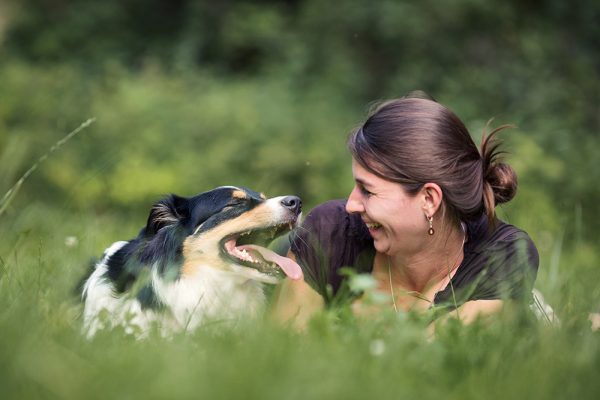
43 355
178 126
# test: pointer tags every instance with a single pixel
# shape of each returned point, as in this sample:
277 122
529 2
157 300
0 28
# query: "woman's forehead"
359 172
366 177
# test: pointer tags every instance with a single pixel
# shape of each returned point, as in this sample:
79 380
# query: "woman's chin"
381 245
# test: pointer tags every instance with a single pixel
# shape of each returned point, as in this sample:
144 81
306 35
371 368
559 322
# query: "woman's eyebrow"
362 182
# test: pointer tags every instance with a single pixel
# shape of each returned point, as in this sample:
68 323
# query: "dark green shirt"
498 264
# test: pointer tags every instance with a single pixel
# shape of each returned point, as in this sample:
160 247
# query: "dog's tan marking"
187 269
196 256
262 196
239 194
199 250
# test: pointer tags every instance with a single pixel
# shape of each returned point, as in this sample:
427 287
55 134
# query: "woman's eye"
365 191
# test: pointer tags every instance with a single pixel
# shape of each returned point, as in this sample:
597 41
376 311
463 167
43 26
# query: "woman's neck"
430 268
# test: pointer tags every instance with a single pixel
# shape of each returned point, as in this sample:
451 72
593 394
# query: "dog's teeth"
242 254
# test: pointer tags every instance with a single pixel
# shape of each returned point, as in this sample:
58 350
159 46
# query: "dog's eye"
234 203
230 206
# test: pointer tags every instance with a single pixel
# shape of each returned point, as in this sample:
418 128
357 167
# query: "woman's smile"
373 226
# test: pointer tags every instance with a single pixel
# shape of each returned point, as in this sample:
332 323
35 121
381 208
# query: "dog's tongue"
291 268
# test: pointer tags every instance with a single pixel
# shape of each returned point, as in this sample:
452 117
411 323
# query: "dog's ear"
168 211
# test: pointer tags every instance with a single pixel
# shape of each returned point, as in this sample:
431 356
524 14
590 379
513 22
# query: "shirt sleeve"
328 239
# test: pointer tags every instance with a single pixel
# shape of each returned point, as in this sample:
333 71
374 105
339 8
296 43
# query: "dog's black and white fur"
198 259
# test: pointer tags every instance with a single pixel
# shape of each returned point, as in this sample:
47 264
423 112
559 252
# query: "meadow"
194 95
44 355
45 250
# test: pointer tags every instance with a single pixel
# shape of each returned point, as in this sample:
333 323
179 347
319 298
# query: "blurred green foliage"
189 95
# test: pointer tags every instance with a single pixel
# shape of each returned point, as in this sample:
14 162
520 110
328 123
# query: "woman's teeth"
373 225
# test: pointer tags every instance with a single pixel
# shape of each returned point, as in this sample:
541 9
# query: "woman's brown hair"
413 141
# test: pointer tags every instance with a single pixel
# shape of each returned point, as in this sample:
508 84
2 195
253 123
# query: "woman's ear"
432 198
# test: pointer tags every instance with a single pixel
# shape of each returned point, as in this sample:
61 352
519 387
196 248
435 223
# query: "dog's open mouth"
249 249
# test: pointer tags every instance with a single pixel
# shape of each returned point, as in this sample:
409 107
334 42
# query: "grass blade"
8 196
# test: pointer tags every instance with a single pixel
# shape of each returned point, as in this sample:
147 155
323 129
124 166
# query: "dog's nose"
292 203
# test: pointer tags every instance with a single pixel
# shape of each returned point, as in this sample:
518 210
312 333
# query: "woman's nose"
354 203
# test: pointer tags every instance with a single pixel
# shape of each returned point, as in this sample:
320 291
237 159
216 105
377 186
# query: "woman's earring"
430 231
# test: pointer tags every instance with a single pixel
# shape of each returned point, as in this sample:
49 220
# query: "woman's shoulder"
502 247
498 263
333 210
331 216
482 238
328 239
331 226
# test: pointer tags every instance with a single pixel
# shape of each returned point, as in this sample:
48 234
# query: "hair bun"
499 179
503 182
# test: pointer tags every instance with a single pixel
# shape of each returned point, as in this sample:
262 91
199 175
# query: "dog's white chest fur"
208 296
211 295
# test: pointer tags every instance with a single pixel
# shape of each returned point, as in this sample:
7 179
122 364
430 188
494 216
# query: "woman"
420 219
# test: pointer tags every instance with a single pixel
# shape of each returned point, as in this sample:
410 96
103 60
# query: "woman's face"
396 220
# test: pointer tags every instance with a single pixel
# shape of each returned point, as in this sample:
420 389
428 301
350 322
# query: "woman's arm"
474 309
468 313
295 302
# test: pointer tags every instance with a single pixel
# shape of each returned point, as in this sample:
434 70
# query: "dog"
199 259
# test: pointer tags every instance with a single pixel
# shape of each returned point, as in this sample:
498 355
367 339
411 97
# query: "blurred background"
189 95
